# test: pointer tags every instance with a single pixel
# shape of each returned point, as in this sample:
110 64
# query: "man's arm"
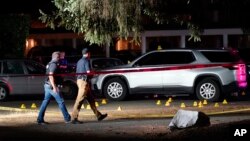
87 67
52 82
51 77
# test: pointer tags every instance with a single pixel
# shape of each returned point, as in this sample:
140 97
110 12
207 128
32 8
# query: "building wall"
151 40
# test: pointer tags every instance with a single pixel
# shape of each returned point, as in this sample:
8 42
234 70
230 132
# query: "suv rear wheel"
208 89
115 89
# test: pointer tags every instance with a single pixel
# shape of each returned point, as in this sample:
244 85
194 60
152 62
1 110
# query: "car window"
154 58
178 57
12 67
34 68
161 58
220 56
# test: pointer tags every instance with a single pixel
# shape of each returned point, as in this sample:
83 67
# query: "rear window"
220 56
168 57
12 67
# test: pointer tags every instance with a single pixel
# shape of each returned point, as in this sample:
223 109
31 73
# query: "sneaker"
42 123
102 116
75 121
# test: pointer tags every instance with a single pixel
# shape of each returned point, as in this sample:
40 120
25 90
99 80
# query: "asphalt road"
142 119
23 127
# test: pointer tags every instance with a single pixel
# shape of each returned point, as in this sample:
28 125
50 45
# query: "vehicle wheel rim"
66 90
207 91
2 93
115 90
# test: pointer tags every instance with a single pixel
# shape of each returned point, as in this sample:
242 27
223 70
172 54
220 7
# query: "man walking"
51 89
82 69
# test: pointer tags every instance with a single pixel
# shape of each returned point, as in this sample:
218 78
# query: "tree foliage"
101 20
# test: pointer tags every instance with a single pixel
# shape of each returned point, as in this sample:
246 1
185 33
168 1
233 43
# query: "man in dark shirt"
82 70
63 63
51 89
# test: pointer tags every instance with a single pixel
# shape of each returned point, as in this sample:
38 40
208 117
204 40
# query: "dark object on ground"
203 120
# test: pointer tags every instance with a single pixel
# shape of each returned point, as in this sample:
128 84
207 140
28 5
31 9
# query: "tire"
208 89
3 92
69 90
115 89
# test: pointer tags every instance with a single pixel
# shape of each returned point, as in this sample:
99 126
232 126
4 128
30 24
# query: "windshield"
105 63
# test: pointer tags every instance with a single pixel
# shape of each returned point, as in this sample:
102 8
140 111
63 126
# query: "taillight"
241 75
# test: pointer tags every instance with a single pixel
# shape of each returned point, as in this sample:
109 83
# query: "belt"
47 83
84 79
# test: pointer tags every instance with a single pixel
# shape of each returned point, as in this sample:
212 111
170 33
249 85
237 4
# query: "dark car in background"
42 54
96 63
126 56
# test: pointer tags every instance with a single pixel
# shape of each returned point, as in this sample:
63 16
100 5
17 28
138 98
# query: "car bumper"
231 88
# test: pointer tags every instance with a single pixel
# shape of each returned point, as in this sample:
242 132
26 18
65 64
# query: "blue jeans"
48 94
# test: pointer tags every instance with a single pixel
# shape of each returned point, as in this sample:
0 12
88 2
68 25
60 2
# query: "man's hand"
52 82
55 90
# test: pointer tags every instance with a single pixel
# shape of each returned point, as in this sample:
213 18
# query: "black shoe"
42 123
102 116
75 121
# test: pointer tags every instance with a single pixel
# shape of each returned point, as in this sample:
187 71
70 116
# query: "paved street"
135 119
118 129
140 108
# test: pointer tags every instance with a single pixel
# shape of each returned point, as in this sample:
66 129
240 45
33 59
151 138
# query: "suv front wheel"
208 89
115 89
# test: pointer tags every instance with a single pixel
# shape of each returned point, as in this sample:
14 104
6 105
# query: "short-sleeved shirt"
82 66
52 66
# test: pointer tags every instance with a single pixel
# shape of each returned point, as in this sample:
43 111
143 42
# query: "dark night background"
232 12
26 6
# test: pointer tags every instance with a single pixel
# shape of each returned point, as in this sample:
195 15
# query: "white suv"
208 74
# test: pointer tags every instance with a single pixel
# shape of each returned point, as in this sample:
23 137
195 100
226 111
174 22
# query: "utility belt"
83 77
